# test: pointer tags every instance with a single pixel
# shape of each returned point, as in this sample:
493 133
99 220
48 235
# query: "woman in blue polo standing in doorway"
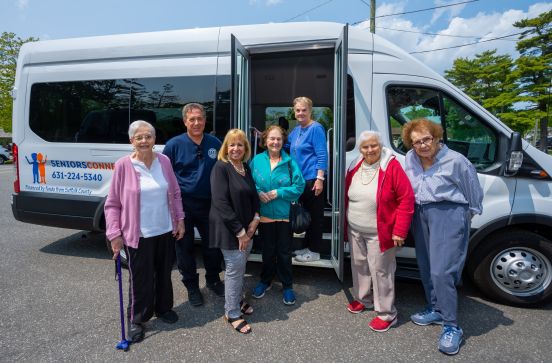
308 148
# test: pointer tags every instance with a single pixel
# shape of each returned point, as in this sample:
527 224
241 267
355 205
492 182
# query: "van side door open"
338 155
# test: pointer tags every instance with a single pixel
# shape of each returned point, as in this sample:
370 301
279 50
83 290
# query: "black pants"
197 215
150 286
276 237
315 206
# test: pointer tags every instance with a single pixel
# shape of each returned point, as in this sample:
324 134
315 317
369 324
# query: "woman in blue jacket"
279 182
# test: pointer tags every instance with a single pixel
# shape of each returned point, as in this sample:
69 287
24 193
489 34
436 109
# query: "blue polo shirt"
308 149
192 163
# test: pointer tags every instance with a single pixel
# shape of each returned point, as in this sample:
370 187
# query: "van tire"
2 159
124 259
526 257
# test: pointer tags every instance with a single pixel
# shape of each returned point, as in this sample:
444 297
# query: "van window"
463 131
100 111
284 116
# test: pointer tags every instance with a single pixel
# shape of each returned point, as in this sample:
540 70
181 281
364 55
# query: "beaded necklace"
238 170
368 172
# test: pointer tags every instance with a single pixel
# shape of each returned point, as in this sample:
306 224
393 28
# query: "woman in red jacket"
379 206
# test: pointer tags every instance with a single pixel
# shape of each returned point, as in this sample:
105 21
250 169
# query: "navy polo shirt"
192 163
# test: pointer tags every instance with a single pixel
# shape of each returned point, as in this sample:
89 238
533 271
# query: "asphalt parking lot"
60 303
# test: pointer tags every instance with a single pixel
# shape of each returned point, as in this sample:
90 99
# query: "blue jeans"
441 232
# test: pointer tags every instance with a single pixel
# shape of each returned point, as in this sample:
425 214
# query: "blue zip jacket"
267 180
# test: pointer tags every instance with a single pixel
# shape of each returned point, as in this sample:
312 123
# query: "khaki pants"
374 270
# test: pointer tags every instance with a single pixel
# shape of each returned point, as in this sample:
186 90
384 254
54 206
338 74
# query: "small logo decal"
38 161
212 153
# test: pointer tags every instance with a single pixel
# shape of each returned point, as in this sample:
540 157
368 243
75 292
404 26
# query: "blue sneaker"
426 317
260 289
289 297
450 340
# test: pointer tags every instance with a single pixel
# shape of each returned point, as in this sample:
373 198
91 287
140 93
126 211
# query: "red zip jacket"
395 199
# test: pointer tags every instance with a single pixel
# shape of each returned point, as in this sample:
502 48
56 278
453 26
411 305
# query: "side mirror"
516 154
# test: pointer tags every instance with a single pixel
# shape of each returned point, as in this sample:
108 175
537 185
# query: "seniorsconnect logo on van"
64 171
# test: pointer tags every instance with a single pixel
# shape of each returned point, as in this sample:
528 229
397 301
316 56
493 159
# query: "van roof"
172 43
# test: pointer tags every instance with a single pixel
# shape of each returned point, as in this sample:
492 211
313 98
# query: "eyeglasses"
199 153
425 141
146 137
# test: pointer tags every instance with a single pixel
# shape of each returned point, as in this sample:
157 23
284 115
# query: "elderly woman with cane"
143 213
380 203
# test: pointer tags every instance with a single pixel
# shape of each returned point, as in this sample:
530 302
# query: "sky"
471 22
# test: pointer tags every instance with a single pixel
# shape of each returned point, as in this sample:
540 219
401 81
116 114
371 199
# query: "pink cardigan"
122 206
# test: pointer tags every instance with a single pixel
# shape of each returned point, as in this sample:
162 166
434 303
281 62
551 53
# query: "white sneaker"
301 251
308 257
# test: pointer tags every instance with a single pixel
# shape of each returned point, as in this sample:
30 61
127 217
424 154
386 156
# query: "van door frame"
339 152
240 105
241 111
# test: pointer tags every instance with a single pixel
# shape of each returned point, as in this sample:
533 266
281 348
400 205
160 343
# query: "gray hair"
368 134
136 125
190 106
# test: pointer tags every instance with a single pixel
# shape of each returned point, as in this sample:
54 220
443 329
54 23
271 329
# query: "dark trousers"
197 215
441 232
315 206
150 286
276 237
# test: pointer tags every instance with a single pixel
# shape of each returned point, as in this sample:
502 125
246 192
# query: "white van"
74 99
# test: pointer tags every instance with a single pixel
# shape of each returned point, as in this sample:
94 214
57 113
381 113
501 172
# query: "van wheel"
2 160
124 258
514 267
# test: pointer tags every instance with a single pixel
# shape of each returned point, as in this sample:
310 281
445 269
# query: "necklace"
241 170
368 172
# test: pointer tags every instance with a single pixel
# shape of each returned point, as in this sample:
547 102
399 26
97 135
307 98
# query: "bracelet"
320 178
257 218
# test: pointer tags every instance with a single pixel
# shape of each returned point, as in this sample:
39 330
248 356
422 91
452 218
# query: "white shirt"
155 218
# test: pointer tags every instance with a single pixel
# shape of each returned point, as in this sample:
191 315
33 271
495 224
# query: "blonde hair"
233 135
307 101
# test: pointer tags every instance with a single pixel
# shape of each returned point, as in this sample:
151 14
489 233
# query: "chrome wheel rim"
521 271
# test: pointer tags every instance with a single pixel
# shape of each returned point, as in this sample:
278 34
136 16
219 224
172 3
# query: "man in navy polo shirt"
193 155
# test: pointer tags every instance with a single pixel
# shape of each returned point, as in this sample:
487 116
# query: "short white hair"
368 134
136 125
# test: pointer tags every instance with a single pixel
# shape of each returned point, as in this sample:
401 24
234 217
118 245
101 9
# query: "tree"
9 49
491 81
534 68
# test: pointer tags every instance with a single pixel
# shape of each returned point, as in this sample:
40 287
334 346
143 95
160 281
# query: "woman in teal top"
279 182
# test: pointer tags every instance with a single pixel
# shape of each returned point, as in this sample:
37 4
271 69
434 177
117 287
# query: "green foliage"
9 49
534 68
516 91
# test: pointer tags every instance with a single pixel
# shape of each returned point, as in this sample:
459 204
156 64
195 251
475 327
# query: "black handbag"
299 217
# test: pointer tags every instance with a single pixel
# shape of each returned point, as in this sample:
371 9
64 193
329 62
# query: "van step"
325 263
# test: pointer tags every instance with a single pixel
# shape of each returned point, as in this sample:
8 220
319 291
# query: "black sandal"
244 308
240 326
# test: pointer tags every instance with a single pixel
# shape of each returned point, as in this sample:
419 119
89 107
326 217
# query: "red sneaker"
356 307
380 325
